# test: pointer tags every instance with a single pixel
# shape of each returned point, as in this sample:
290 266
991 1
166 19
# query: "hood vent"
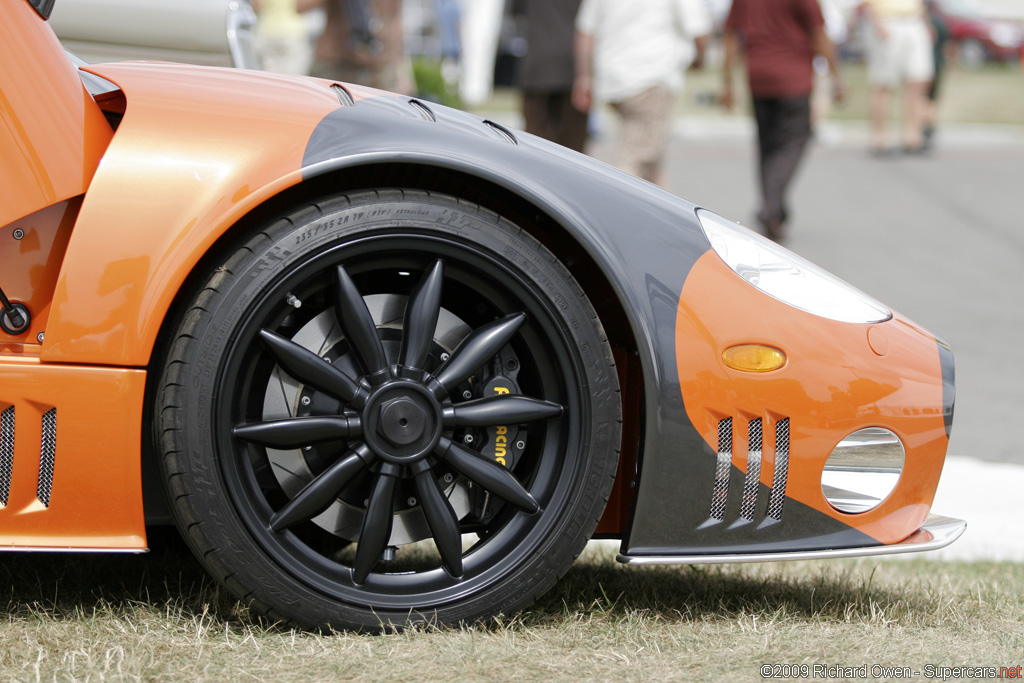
344 96
424 111
504 132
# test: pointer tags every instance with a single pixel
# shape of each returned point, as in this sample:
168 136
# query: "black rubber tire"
216 471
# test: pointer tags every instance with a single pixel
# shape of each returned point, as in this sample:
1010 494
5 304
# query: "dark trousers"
552 116
783 129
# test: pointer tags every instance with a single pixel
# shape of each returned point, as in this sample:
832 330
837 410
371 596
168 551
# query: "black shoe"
773 227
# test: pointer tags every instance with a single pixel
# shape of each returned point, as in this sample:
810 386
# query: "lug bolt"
520 445
40 337
467 394
19 233
468 438
444 357
449 478
511 365
305 400
411 502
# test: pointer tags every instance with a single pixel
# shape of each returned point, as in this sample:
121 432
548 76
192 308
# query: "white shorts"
905 56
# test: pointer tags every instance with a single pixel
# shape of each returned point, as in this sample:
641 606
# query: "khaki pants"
646 125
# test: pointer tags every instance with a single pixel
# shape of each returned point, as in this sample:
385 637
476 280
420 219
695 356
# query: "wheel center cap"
402 422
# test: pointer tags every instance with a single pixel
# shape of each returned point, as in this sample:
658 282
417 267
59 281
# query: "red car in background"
978 36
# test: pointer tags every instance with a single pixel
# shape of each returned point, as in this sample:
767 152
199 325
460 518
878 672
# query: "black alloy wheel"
388 408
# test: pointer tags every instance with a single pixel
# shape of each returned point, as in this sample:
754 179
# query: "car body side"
201 155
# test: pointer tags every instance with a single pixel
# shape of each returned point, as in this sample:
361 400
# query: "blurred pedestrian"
778 40
940 44
823 91
282 37
362 43
899 53
546 73
449 20
633 55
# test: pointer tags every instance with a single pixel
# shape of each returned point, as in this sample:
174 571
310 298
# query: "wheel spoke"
421 318
376 531
500 410
477 349
311 369
492 476
297 432
318 494
358 326
441 518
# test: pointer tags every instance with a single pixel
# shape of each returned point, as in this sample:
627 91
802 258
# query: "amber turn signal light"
754 358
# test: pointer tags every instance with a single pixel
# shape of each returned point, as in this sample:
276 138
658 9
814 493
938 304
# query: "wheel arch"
556 230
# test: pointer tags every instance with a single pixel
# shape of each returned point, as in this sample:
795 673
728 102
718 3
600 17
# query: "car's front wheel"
386 408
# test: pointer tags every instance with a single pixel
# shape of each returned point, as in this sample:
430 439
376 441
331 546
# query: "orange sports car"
383 362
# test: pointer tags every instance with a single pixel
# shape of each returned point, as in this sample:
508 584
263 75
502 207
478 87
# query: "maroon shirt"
776 38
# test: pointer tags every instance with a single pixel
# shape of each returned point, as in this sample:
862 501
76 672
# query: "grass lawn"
157 617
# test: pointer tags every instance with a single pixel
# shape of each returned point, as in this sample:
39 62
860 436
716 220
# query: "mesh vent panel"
6 452
47 455
778 495
753 470
720 495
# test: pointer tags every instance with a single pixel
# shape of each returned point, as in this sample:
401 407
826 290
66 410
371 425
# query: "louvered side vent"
778 495
6 452
720 495
47 455
753 470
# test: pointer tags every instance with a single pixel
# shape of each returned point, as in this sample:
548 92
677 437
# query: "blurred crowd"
566 56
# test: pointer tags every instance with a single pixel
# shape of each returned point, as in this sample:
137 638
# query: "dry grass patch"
157 617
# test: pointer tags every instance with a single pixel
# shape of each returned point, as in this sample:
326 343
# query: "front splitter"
936 532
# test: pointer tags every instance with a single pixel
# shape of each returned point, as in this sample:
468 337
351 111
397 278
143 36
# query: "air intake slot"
47 455
6 452
778 495
752 479
754 442
720 495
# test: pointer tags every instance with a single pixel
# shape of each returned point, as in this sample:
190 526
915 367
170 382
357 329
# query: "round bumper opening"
863 470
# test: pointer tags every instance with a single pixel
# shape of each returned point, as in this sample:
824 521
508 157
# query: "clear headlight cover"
781 274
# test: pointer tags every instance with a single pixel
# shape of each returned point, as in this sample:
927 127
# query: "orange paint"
96 496
197 149
30 265
833 384
55 134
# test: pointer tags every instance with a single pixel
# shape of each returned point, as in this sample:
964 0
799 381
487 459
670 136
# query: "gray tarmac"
939 238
